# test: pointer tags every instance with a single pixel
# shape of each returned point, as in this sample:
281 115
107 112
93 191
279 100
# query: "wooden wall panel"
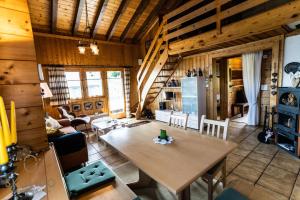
64 52
16 47
18 73
11 4
25 95
29 118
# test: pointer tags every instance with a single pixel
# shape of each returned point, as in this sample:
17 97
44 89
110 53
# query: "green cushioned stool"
231 194
89 177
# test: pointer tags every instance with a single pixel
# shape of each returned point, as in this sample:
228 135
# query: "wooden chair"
178 120
214 129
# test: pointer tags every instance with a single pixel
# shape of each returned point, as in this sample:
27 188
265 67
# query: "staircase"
155 71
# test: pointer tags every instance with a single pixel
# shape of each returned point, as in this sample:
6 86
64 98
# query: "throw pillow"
52 123
65 113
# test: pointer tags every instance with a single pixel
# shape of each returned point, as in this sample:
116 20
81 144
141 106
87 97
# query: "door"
116 98
223 88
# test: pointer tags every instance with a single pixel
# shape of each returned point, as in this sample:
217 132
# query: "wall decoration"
76 107
88 106
99 104
293 70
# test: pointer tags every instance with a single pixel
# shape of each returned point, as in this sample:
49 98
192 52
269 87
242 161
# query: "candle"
13 125
4 123
3 152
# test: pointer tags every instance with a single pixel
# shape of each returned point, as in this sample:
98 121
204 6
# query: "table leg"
185 194
144 181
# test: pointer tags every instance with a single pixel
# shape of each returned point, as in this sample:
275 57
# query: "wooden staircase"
155 71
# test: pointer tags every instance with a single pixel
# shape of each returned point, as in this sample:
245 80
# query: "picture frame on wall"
76 107
88 106
99 104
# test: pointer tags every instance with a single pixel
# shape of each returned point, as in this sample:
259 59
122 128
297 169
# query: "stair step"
170 63
159 81
150 93
163 76
134 114
155 88
167 69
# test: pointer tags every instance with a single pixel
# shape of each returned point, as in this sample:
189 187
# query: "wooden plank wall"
63 51
18 73
206 61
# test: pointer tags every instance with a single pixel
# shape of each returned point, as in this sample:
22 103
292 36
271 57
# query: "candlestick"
5 124
13 125
3 151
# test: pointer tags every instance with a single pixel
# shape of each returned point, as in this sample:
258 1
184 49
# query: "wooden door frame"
276 44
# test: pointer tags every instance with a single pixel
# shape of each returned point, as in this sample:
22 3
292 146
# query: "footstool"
87 178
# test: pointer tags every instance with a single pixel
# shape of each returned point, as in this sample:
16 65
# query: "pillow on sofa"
65 113
52 123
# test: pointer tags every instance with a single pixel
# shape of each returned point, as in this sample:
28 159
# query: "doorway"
230 96
116 99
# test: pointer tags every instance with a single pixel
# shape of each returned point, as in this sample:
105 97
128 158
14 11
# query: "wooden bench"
241 106
47 172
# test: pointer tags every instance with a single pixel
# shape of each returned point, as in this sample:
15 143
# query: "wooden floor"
264 170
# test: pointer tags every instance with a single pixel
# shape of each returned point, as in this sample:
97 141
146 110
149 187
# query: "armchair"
75 121
71 149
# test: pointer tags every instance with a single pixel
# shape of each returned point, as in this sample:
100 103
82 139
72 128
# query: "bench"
115 191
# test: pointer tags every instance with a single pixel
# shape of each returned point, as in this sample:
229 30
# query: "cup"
163 134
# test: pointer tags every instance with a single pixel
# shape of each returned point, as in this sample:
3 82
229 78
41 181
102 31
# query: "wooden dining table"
174 165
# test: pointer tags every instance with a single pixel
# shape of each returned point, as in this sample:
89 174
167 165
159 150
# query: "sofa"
70 145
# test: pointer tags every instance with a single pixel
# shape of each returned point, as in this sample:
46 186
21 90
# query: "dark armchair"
75 121
71 149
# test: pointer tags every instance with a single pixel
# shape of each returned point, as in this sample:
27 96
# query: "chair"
75 121
178 120
214 129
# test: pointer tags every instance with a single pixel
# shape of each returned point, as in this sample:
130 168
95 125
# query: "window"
74 85
115 91
94 84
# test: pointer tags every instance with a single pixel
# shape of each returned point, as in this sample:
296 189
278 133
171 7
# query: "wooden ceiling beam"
260 23
116 19
138 12
98 17
78 13
149 20
53 15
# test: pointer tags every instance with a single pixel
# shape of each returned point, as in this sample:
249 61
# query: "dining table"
175 166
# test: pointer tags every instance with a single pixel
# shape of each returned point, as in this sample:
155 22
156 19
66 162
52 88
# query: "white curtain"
251 79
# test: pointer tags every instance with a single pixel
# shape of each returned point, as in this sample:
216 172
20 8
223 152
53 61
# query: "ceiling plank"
138 12
98 17
53 15
78 11
147 23
116 19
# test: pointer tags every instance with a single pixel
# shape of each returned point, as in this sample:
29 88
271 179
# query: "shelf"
172 88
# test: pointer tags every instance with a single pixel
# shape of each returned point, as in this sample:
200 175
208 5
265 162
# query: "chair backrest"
214 127
178 120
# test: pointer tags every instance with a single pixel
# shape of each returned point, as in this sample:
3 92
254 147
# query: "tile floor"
258 170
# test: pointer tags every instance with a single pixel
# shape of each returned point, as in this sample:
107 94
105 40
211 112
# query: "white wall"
291 54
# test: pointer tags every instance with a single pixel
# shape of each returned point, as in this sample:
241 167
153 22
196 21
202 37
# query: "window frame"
120 114
86 83
80 81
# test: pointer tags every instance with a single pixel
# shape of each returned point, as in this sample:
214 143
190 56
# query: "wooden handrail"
157 68
146 70
145 61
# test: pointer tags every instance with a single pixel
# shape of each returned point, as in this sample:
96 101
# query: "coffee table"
104 125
